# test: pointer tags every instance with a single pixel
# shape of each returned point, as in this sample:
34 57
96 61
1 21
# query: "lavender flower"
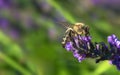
116 61
115 43
113 40
78 45
82 47
80 57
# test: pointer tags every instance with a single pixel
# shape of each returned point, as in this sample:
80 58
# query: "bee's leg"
87 31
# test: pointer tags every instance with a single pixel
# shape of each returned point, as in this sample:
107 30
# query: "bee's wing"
65 24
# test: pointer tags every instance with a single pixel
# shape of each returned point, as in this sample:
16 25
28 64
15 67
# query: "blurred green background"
30 35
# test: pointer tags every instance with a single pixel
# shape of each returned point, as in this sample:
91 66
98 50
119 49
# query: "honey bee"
74 30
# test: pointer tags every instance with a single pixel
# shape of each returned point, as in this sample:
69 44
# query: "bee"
73 30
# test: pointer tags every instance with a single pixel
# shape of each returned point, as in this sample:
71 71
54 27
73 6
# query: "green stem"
13 64
102 68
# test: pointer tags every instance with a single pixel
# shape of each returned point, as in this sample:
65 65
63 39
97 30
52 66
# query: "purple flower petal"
77 41
68 46
111 39
80 57
116 61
